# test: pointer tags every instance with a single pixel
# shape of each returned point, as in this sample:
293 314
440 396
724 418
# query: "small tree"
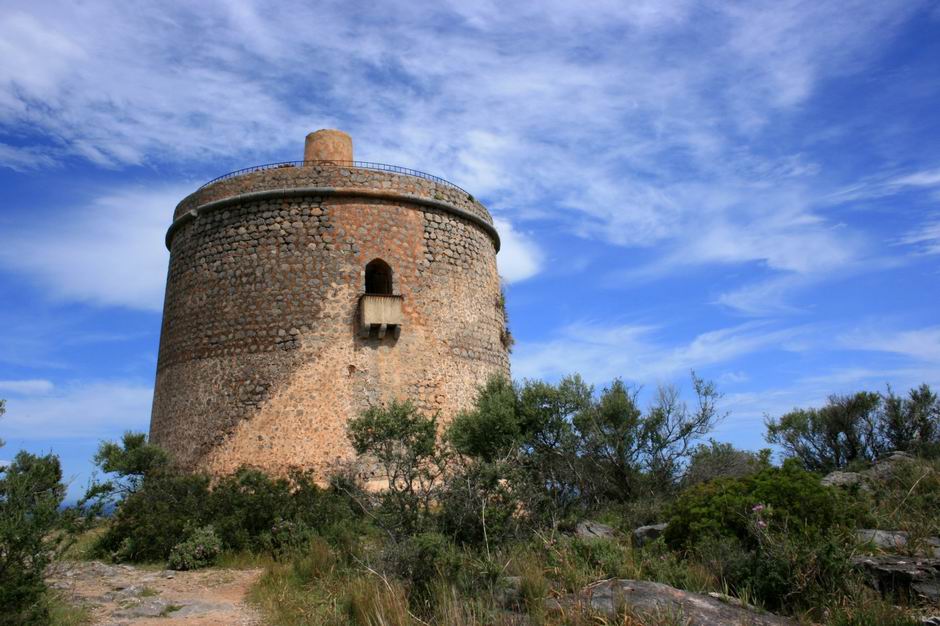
404 444
858 428
128 463
715 460
912 423
622 444
842 432
492 429
156 505
31 492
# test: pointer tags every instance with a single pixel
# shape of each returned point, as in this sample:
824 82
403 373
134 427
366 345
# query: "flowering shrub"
779 536
201 549
735 507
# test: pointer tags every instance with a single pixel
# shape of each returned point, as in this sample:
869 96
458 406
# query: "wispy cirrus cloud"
79 409
107 252
26 387
924 238
506 100
919 344
600 352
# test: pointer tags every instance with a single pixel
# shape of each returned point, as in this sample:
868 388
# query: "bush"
316 561
783 570
31 491
248 510
149 522
419 560
905 495
724 507
477 506
201 549
778 536
252 511
722 460
403 442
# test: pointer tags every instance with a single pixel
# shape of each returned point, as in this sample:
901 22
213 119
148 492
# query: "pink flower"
757 508
761 524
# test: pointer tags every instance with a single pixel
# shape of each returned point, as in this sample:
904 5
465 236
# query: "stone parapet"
330 176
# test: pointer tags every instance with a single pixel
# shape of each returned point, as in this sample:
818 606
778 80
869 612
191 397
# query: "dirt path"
120 595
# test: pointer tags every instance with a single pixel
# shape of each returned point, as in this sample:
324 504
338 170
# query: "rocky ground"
120 595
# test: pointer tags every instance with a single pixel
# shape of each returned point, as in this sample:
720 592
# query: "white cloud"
764 298
925 238
26 387
107 252
24 159
921 344
92 409
924 178
507 100
519 256
600 353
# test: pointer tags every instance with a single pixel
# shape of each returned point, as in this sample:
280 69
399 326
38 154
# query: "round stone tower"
299 294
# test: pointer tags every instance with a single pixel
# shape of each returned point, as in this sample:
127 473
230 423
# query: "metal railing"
364 165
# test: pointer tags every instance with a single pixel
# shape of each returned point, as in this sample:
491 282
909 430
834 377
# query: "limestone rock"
897 540
886 465
842 479
588 529
644 598
645 534
893 574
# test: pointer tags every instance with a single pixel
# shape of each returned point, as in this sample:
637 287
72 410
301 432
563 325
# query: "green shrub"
492 430
722 460
785 571
150 521
156 504
906 497
477 507
31 491
248 509
605 558
200 549
724 507
419 560
778 536
403 442
316 561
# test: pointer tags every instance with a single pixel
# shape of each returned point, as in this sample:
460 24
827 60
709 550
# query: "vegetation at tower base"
480 524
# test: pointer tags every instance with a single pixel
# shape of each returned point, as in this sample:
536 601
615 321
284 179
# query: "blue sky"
748 189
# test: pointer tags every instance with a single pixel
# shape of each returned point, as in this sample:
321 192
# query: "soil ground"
124 595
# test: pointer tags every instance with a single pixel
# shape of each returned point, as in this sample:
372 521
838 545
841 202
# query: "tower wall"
261 359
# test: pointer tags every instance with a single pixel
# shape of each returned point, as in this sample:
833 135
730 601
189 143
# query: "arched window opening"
378 278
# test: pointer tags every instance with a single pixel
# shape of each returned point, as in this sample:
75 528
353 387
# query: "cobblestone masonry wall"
260 360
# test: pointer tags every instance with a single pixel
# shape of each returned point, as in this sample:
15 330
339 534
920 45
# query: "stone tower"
299 294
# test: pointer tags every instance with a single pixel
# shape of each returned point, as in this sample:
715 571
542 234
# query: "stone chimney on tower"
328 145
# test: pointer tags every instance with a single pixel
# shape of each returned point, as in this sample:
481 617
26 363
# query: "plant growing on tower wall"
505 335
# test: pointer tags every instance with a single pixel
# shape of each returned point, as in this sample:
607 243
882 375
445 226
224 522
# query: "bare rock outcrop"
645 598
645 534
905 576
588 529
897 541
